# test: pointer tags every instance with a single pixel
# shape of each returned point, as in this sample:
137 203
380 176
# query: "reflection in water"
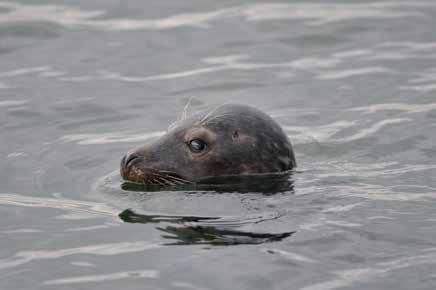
214 236
201 234
213 230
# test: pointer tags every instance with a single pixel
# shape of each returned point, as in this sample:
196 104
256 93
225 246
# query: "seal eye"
197 146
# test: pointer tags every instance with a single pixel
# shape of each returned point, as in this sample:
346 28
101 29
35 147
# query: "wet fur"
247 142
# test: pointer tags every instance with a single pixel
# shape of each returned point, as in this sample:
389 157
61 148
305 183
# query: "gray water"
353 83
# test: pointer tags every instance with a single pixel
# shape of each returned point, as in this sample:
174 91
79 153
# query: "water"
351 82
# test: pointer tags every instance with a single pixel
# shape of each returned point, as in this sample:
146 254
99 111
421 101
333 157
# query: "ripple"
409 45
325 133
310 13
12 103
321 14
59 14
24 71
106 138
290 256
42 71
343 224
76 79
347 278
82 264
341 74
317 133
110 249
186 285
195 217
21 231
314 62
220 87
407 108
342 208
150 274
421 88
16 155
393 56
365 133
222 64
367 181
91 228
381 169
379 192
77 207
426 78
395 51
225 59
188 73
352 53
51 73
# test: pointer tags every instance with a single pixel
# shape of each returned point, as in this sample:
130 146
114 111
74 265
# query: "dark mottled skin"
241 141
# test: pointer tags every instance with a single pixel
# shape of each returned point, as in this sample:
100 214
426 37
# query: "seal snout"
130 159
133 169
127 162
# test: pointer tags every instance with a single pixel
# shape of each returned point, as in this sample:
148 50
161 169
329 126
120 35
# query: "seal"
230 140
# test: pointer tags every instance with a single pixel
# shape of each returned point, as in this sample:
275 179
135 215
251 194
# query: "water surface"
351 82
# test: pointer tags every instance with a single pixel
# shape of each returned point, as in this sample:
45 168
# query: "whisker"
222 117
185 109
164 180
169 174
169 182
210 113
183 181
158 178
149 181
174 181
173 125
158 181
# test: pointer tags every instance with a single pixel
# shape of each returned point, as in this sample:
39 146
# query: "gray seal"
230 140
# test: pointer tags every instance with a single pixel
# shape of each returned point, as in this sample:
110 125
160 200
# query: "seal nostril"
128 159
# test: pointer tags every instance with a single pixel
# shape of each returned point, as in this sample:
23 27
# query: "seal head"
226 141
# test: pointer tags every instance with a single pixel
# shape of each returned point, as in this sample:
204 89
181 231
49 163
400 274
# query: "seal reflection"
201 234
